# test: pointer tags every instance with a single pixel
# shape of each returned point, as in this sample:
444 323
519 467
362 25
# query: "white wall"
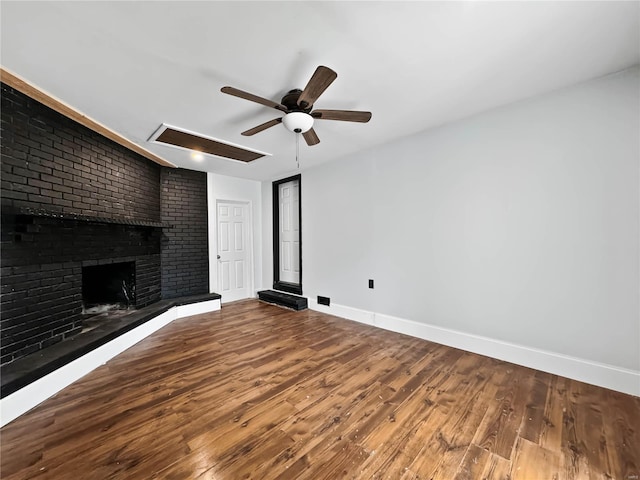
267 234
520 225
221 187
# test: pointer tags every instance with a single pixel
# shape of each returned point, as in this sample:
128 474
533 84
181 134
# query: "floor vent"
283 299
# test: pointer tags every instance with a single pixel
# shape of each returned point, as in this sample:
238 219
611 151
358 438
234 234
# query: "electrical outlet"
370 283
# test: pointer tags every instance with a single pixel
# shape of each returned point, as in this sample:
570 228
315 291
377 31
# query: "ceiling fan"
297 105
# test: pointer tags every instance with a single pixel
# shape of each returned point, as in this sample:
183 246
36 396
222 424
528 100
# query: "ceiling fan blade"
321 79
343 115
253 98
264 126
311 138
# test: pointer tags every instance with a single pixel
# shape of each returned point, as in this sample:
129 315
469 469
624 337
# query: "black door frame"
277 284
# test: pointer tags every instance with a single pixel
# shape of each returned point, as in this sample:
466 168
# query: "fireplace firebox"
108 287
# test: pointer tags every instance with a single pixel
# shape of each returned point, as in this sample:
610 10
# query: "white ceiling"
415 65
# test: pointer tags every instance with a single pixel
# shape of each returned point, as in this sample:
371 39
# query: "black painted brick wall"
51 163
185 249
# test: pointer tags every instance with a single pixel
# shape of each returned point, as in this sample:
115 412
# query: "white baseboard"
197 308
23 400
594 373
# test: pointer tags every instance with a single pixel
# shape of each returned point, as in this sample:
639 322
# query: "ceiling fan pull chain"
298 150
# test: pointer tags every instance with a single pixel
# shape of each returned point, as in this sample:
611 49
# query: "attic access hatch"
185 139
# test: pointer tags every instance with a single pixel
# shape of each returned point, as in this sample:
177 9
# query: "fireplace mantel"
32 212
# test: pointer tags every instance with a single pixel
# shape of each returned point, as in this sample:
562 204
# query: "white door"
289 232
233 251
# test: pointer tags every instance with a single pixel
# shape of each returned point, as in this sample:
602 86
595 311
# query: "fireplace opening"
108 287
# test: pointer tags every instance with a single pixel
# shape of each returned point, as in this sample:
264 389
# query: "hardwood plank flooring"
256 391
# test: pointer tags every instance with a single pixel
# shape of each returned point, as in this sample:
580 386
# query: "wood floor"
256 391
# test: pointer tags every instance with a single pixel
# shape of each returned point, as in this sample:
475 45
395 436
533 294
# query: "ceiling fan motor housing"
290 100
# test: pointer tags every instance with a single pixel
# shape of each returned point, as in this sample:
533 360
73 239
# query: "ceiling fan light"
298 122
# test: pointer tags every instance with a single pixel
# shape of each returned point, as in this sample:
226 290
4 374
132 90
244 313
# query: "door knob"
218 257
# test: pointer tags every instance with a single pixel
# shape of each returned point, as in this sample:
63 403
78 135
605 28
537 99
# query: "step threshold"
287 300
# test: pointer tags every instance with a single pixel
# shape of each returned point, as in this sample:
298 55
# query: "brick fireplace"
74 202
